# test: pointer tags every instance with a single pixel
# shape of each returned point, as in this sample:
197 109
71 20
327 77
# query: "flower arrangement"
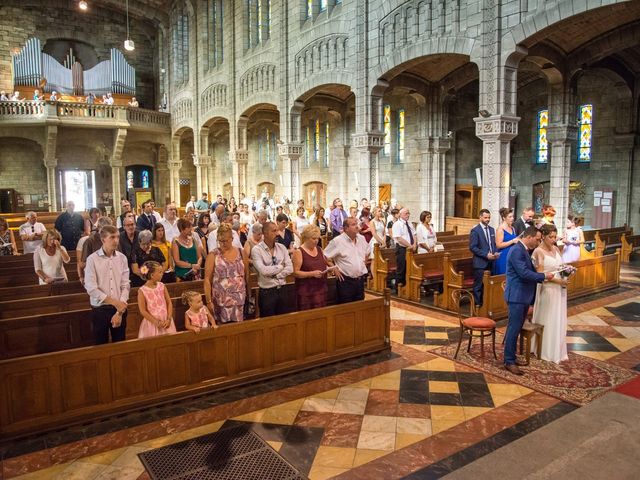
566 271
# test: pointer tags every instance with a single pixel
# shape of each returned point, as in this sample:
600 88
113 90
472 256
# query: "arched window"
400 156
258 22
180 45
129 179
387 130
145 178
309 9
326 144
215 24
585 119
542 149
307 145
323 5
316 143
274 151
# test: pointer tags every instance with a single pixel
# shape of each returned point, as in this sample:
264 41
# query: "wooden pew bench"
43 392
458 273
35 291
590 235
629 245
27 276
427 268
383 265
609 240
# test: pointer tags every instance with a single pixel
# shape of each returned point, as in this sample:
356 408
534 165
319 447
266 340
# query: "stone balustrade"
79 114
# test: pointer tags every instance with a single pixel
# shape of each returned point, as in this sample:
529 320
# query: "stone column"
290 154
496 133
433 176
162 177
562 139
624 144
52 190
239 160
368 145
174 180
116 180
202 162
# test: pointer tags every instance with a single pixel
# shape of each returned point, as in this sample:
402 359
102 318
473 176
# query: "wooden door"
185 193
384 192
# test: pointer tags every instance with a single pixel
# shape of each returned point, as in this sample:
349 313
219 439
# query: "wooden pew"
594 275
458 273
630 244
43 392
24 259
29 277
605 240
427 267
460 225
590 235
383 264
36 291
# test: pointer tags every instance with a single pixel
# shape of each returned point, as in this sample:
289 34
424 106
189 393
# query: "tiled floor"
406 414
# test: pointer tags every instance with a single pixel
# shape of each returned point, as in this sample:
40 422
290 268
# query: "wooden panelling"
97 381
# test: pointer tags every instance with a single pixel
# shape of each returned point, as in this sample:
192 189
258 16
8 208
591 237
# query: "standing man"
147 219
31 233
202 205
349 252
107 283
338 216
526 220
271 261
126 209
170 222
482 243
71 226
127 246
405 237
520 291
191 203
93 243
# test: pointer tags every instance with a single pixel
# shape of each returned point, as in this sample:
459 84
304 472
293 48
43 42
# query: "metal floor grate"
229 454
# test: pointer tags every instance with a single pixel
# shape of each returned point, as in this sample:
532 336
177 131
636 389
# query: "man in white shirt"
31 233
212 238
405 237
170 222
191 203
271 261
153 211
218 212
349 252
106 280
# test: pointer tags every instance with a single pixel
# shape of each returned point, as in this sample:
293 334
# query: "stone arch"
261 98
325 78
392 65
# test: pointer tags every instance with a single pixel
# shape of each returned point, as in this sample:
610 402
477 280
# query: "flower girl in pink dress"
197 316
154 303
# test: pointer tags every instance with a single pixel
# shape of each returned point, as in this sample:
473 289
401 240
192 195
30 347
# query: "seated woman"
146 252
49 259
7 240
226 279
186 253
91 223
310 269
284 235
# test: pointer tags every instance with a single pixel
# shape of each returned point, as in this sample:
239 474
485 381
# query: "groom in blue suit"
520 292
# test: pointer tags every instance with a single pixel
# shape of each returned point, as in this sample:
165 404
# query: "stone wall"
22 168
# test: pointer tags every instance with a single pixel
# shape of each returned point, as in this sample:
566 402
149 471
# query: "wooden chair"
479 326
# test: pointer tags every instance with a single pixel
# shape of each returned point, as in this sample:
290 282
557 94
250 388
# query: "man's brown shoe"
514 369
521 364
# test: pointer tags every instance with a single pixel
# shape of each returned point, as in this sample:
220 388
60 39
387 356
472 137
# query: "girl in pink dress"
154 303
198 316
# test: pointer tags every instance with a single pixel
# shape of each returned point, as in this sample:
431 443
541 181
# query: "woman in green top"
186 253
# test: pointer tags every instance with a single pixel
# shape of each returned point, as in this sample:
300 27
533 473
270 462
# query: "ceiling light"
83 5
128 43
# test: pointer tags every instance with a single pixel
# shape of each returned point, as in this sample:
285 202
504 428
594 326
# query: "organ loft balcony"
82 115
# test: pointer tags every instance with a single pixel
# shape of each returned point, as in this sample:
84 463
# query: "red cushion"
432 274
467 283
479 322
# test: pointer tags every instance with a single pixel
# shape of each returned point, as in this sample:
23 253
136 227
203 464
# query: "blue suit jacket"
479 246
521 276
143 223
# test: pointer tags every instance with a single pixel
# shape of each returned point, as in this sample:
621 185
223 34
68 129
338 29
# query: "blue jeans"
517 314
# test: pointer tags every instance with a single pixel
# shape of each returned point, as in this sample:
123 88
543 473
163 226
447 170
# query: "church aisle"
406 413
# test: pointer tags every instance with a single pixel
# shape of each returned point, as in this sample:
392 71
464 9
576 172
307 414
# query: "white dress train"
550 310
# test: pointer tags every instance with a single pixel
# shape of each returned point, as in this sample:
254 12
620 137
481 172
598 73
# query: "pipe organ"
32 67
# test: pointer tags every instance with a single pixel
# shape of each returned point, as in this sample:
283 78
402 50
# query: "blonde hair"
188 296
52 232
224 228
308 232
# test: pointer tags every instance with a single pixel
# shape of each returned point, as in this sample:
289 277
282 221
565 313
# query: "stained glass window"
323 5
307 145
542 155
259 20
145 178
387 130
316 146
268 18
400 136
326 144
274 152
586 133
129 180
309 8
267 156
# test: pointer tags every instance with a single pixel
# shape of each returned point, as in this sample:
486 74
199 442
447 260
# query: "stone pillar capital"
503 128
201 160
441 144
50 162
562 133
291 150
239 156
174 165
371 142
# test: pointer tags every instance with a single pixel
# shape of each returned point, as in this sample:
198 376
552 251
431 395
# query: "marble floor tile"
120 473
472 412
418 426
336 457
406 439
441 412
45 474
364 455
129 457
279 416
414 410
324 473
438 426
81 471
375 423
357 394
105 458
377 440
314 404
443 387
329 394
441 364
349 406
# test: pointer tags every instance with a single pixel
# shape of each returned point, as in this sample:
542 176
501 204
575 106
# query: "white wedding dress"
550 310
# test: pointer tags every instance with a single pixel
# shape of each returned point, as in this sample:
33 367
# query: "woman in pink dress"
154 303
197 316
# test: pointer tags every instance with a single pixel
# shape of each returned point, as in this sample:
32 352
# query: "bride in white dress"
550 308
